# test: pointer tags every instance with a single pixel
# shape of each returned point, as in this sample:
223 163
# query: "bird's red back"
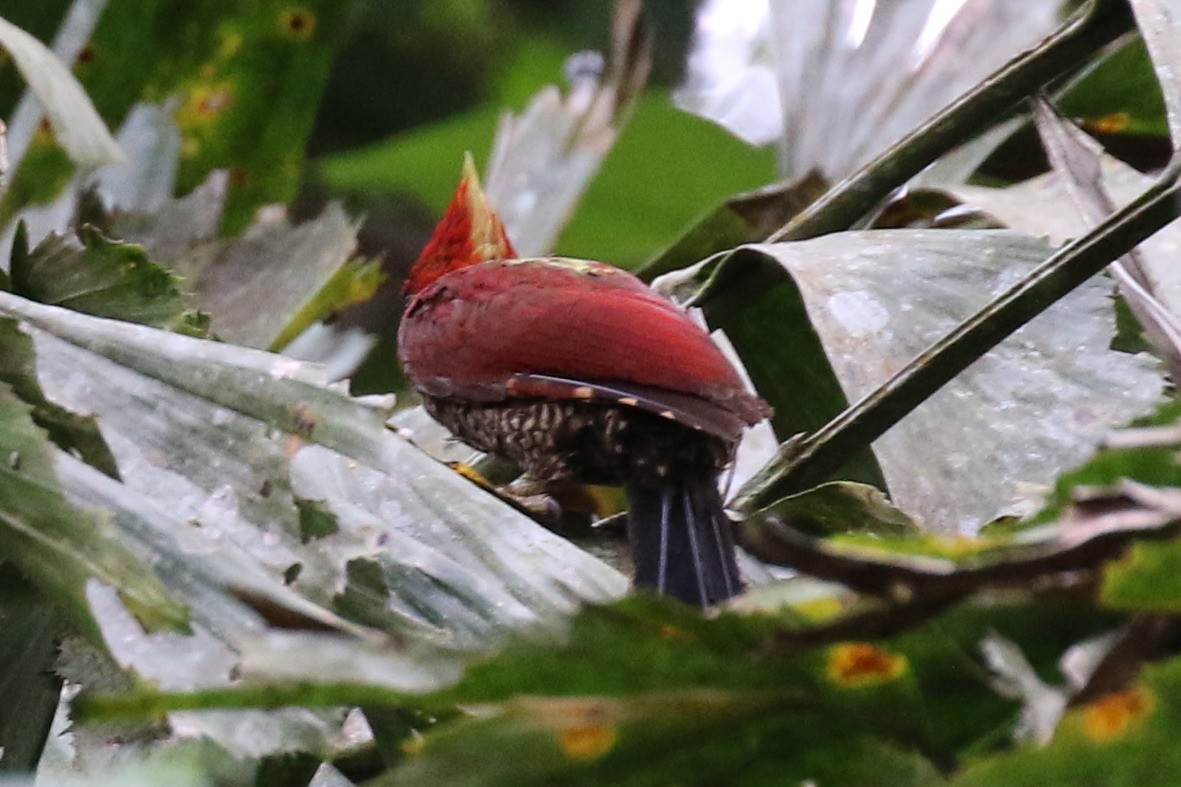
486 328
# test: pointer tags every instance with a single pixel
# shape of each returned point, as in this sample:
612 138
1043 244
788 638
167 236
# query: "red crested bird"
577 370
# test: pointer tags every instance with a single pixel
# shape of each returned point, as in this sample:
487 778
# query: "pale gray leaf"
3 152
847 77
543 159
145 181
218 446
142 182
961 163
79 129
226 438
1077 158
1042 705
253 285
281 656
328 776
1012 422
340 348
180 226
432 437
1043 206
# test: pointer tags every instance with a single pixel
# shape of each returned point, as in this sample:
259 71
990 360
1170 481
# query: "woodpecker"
577 370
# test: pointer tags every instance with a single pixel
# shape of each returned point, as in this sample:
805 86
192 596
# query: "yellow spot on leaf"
673 634
297 22
190 146
292 445
414 744
820 609
1110 124
303 420
231 42
1111 716
205 102
857 664
588 743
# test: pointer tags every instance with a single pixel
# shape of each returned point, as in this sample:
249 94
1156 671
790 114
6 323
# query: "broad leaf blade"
218 445
837 83
233 437
1037 404
56 544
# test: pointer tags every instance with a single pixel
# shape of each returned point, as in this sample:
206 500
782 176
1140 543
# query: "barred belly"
597 443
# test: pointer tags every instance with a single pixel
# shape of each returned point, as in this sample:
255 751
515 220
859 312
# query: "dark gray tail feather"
682 540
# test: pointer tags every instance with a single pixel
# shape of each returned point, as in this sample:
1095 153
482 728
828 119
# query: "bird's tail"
681 539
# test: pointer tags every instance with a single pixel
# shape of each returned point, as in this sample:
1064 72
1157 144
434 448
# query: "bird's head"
469 233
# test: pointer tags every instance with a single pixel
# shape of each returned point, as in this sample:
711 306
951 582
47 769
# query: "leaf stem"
809 461
87 708
1099 23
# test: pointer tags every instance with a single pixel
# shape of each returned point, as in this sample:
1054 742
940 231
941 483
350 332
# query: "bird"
577 370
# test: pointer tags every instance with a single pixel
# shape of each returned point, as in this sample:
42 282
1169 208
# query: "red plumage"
470 332
497 346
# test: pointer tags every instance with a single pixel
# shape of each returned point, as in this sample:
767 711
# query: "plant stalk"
1099 23
809 461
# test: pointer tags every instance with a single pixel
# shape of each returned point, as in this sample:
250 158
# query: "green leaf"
103 277
841 507
697 736
316 519
29 690
1119 94
1145 577
934 569
291 769
354 282
587 706
68 430
1128 737
248 80
621 219
621 668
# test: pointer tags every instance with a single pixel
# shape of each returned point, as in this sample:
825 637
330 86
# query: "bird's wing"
569 329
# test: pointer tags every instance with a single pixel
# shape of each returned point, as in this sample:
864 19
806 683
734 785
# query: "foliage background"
254 577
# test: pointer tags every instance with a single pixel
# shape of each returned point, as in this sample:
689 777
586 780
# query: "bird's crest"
469 233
